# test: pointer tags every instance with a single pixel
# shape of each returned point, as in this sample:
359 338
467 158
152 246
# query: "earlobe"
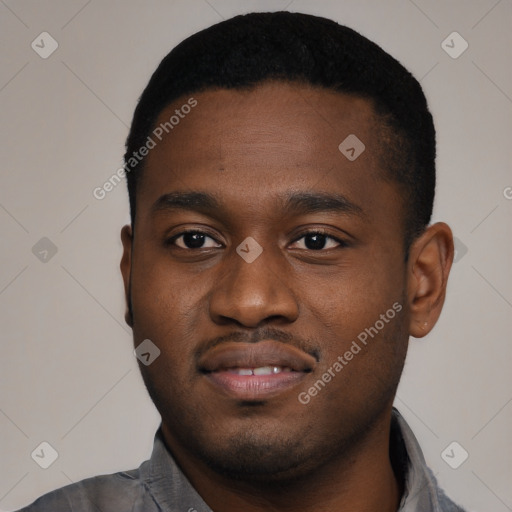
126 265
430 261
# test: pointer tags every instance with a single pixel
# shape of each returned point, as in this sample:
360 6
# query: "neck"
362 480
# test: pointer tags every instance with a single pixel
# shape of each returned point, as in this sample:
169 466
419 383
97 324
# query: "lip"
219 366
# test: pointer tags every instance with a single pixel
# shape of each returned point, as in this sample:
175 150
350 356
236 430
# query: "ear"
430 260
126 266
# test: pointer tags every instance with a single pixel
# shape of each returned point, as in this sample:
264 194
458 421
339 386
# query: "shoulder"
446 504
118 492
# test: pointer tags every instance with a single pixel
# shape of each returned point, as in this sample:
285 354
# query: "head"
296 253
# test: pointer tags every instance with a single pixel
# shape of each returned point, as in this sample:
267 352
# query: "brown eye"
318 240
193 240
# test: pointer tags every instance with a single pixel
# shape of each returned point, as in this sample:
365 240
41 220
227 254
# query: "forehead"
300 120
248 145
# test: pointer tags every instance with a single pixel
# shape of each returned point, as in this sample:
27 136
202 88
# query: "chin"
246 458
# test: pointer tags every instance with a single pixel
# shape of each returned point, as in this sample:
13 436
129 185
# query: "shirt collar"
421 490
168 485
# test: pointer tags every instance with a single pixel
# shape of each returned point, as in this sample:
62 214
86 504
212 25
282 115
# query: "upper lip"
255 355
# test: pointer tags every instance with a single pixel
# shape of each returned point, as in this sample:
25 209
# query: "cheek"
165 306
353 297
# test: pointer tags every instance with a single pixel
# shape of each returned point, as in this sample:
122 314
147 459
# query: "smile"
262 370
255 371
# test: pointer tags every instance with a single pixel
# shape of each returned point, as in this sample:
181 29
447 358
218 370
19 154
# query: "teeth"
262 370
244 371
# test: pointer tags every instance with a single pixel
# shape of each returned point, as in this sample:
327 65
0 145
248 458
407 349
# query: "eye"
318 240
192 240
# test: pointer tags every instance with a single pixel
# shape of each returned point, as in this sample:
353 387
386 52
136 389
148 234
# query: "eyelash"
342 243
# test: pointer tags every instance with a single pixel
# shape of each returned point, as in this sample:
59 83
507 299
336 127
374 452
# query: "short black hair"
251 49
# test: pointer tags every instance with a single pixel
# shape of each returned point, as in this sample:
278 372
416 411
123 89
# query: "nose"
252 293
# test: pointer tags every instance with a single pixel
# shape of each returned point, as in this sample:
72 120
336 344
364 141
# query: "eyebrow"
294 203
318 202
186 201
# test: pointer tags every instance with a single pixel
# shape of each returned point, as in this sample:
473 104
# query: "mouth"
255 371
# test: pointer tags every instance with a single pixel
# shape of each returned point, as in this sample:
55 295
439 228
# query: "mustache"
267 333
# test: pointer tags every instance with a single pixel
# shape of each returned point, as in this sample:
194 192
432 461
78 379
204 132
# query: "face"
268 268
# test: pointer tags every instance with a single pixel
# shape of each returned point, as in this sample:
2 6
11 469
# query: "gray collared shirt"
158 485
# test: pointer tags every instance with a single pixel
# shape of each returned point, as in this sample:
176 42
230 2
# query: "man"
281 175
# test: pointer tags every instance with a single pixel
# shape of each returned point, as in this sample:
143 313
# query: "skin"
251 149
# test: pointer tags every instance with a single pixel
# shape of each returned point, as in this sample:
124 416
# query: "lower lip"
254 387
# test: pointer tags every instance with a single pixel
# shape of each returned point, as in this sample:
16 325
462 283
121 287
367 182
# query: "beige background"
68 375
